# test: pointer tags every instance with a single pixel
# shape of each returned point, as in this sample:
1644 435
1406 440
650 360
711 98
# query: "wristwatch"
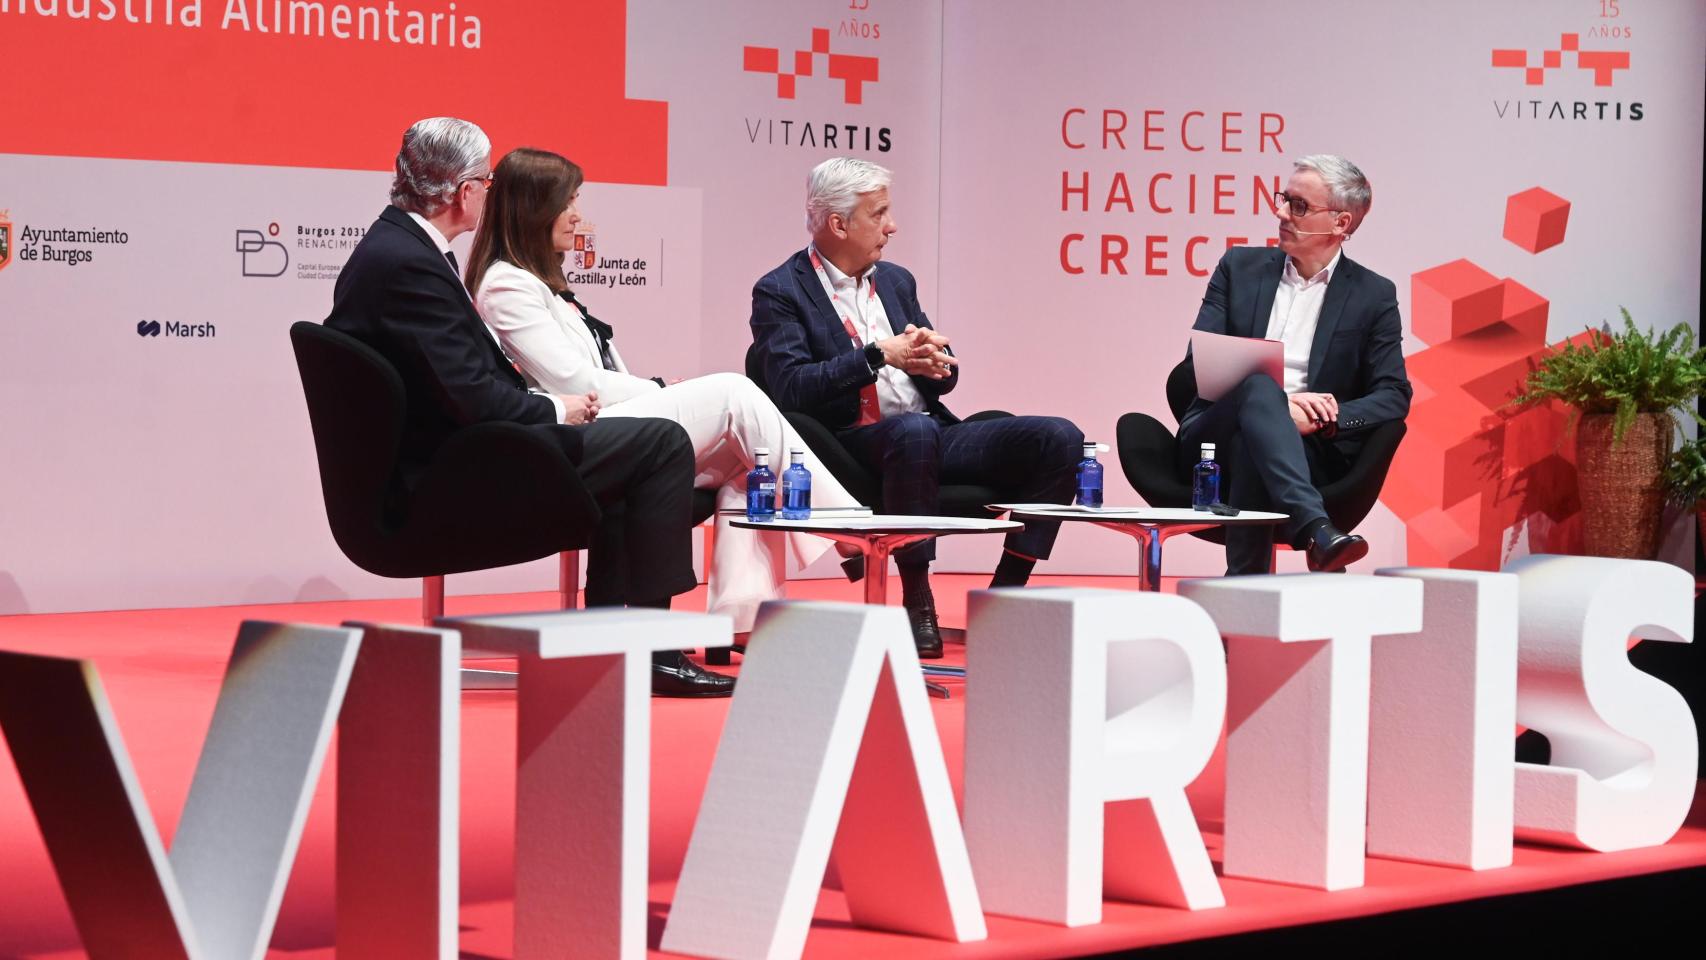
874 357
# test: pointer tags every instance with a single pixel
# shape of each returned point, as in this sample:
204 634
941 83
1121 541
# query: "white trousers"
727 417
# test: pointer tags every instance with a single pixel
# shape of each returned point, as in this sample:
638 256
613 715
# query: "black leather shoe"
673 675
926 636
1331 550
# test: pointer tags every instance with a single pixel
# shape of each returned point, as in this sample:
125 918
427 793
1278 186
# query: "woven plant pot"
1621 491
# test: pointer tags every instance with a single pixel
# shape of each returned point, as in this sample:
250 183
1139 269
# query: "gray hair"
437 155
1346 185
835 185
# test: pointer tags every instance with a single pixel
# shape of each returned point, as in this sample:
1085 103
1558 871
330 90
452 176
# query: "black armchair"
1149 456
957 499
355 405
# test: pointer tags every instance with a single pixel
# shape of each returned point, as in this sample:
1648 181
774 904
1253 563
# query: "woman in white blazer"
515 272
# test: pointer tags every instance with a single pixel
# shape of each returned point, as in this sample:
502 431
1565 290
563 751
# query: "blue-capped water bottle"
1089 477
796 487
761 488
1205 480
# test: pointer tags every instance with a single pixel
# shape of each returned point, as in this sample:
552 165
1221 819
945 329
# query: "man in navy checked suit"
841 337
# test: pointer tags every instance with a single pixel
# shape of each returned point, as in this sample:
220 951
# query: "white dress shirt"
1297 309
896 393
443 246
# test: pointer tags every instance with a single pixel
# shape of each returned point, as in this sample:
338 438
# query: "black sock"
915 584
667 658
1013 570
1307 533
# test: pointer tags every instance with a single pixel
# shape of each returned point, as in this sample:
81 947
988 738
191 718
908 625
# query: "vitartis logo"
1566 66
852 70
5 238
262 257
855 71
1603 64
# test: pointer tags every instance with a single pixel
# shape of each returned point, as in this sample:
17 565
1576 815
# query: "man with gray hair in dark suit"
842 337
401 293
1344 367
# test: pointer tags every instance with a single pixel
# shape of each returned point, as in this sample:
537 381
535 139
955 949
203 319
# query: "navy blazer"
810 364
1358 351
399 295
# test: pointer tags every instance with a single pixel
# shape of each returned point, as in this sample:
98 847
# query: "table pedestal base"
1151 538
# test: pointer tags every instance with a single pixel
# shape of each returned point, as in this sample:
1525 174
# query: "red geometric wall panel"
1470 469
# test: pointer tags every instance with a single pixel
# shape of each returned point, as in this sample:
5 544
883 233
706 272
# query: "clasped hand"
1312 411
919 352
579 408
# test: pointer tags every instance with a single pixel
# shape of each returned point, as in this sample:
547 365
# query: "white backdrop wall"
1405 90
174 470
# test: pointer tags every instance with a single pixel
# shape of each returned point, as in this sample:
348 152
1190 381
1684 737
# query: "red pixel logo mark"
853 71
1603 63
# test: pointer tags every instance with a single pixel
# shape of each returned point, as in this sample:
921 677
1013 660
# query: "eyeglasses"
1300 207
487 179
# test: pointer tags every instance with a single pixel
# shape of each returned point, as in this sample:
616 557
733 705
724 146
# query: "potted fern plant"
1627 389
1685 480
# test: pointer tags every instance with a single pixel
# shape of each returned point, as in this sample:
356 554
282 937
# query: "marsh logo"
5 238
1603 64
853 71
262 257
174 330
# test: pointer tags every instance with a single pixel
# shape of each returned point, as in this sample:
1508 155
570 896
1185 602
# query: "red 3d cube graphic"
1453 299
1535 219
1473 471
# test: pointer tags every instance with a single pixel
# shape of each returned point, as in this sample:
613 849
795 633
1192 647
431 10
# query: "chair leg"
432 599
719 656
710 544
569 579
1273 559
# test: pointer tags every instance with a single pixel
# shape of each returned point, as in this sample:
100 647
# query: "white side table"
1149 526
878 536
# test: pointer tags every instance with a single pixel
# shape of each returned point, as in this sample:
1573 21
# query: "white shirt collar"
1292 277
431 231
836 277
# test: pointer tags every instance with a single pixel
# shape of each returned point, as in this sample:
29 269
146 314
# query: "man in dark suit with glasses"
1344 367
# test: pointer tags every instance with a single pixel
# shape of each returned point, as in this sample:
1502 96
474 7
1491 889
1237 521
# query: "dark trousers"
640 470
1028 459
1265 465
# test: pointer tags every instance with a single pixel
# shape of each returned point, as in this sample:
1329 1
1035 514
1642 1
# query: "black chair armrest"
1147 452
1350 498
986 415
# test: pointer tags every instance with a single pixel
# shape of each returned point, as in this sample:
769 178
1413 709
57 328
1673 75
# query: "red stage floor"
161 669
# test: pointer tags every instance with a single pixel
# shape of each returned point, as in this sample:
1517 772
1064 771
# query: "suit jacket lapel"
891 306
408 223
402 219
1267 283
1332 308
814 292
